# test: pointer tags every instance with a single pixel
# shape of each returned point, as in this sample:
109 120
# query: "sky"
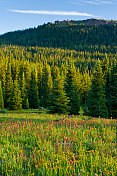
23 14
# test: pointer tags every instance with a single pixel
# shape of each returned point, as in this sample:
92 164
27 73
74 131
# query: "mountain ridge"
77 35
91 21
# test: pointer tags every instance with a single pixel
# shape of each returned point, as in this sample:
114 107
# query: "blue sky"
22 14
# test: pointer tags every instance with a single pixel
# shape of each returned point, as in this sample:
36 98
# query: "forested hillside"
88 35
59 80
62 67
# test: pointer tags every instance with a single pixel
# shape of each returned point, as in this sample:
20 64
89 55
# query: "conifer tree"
85 86
96 98
3 76
39 80
44 85
33 91
111 91
16 100
8 87
25 103
78 80
47 84
105 66
108 90
58 100
1 97
71 90
15 69
27 71
55 71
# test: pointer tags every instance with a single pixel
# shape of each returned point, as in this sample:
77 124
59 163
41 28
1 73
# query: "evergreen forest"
60 67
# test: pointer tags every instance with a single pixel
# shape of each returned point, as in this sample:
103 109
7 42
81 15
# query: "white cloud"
98 2
93 2
107 2
41 12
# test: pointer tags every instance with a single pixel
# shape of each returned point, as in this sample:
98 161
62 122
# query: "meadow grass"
55 145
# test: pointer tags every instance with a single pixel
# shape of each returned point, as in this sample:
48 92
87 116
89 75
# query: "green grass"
42 145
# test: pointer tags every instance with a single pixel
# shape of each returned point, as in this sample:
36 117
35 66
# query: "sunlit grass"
41 144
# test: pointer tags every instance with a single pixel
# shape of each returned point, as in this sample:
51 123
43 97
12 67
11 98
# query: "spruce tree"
55 70
111 91
108 90
33 91
85 86
8 87
39 80
3 76
71 90
16 100
58 100
27 71
25 104
78 80
96 97
47 84
105 66
1 97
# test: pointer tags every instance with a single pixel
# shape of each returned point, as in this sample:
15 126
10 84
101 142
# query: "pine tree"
25 104
78 80
16 101
8 87
33 91
15 69
1 97
105 66
111 91
27 71
85 86
108 90
39 80
58 100
96 98
71 90
47 84
55 71
3 76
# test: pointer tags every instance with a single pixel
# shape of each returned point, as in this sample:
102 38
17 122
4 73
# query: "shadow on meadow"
9 119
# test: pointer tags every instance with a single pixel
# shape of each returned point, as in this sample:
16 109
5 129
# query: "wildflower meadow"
57 145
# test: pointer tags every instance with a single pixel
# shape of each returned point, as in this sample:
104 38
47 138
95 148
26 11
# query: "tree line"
80 37
59 80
